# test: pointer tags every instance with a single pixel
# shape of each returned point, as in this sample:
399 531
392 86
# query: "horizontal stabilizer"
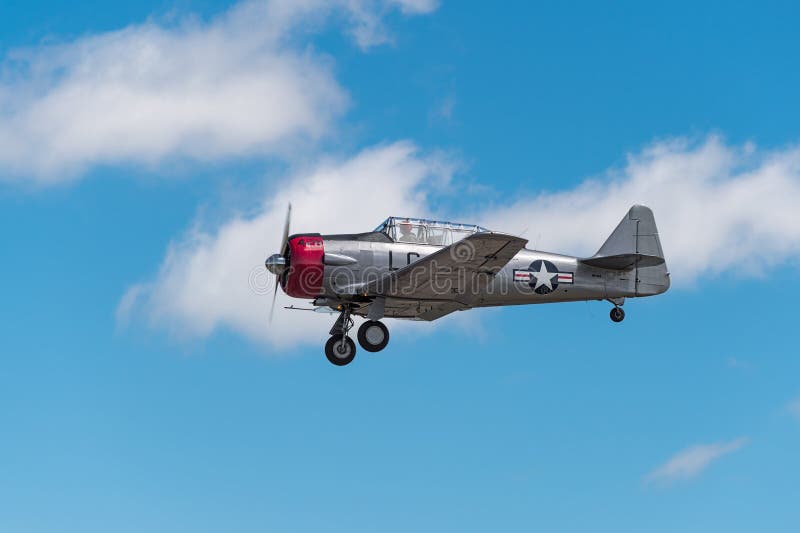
623 261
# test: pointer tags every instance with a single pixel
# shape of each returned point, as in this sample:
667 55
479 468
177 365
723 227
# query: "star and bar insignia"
542 276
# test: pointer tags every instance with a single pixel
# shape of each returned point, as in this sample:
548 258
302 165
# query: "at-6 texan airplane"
424 269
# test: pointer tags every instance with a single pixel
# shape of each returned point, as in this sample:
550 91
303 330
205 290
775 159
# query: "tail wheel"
617 314
340 350
373 336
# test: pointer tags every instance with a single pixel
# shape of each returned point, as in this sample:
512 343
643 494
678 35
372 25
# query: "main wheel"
617 314
373 336
340 350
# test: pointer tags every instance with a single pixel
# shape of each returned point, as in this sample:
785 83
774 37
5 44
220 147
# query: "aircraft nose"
275 263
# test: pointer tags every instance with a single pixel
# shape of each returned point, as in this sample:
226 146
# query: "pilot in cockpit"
406 232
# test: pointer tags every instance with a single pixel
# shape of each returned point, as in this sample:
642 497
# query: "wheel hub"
341 349
374 335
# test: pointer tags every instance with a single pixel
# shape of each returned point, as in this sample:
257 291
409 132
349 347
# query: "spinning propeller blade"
286 224
274 297
284 240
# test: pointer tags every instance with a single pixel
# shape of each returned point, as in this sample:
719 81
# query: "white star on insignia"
543 277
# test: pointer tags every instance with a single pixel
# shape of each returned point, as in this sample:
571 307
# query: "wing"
457 273
416 309
439 310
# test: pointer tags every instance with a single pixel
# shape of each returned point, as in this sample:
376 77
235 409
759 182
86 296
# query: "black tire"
373 336
617 314
340 350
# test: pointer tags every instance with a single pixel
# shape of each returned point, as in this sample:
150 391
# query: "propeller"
277 263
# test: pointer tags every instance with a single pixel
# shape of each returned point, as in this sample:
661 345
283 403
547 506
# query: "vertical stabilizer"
634 245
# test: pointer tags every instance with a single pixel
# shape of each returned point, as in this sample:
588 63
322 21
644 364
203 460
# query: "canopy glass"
424 231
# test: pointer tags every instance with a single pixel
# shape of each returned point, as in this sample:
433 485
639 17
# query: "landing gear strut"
340 349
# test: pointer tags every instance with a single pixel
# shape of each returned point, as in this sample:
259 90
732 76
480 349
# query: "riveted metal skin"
422 269
381 268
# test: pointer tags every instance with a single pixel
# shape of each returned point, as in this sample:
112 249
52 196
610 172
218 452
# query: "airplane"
419 269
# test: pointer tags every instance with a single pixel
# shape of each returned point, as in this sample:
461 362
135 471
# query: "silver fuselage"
375 259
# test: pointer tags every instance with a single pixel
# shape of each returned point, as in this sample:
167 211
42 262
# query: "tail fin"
634 244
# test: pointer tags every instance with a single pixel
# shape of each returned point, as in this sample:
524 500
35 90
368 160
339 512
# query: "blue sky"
142 389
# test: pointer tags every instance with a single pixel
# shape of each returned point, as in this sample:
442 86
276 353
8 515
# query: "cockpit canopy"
423 231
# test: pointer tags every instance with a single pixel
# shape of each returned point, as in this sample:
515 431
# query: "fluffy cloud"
242 84
208 278
719 208
690 462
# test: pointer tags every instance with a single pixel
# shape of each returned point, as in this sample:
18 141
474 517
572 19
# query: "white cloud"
205 280
244 83
366 17
690 462
416 6
719 208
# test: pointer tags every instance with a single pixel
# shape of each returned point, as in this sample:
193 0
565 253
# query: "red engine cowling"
303 278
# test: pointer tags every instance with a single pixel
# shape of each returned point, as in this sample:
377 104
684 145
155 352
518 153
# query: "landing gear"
373 336
617 314
340 350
